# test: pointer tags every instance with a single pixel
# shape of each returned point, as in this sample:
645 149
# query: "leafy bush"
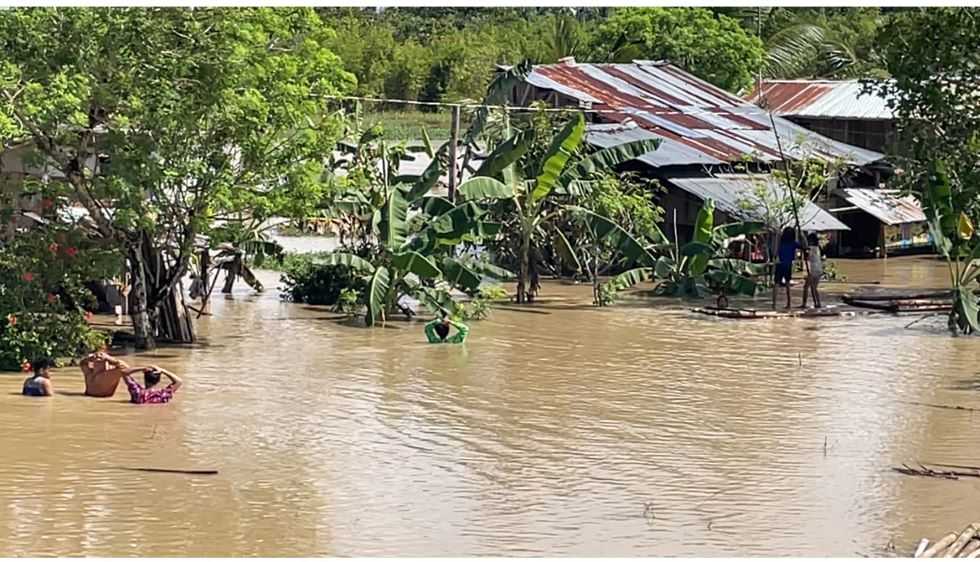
479 307
308 282
42 297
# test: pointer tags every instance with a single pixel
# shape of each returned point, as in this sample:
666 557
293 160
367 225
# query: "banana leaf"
459 275
729 282
429 177
394 220
942 243
562 147
970 270
965 309
352 261
427 143
435 206
608 232
630 278
438 301
609 158
505 154
576 188
455 223
736 229
487 269
665 267
498 92
697 249
703 229
565 251
414 262
378 291
485 188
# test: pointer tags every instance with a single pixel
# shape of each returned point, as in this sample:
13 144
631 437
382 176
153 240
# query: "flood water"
558 430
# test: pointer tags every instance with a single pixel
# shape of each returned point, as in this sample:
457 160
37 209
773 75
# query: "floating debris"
749 313
926 302
949 472
966 544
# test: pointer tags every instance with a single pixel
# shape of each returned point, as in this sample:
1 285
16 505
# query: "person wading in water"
437 331
39 384
149 394
102 374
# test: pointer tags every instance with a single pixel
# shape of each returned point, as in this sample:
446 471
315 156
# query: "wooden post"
453 142
205 277
882 249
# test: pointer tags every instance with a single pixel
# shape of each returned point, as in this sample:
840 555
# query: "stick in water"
169 470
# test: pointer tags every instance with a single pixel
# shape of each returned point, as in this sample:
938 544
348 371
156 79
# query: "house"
19 165
706 134
838 109
880 221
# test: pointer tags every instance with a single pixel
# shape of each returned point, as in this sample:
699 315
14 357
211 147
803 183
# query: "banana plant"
422 262
697 267
954 236
537 182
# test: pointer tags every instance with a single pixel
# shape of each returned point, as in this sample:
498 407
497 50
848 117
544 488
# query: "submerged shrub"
305 281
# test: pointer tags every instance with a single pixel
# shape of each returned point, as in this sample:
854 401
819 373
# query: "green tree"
713 47
814 42
194 111
933 56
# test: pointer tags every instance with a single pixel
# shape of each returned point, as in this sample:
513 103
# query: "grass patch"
408 124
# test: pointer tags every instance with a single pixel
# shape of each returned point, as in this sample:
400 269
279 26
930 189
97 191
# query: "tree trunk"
232 274
158 310
523 274
205 278
595 278
139 302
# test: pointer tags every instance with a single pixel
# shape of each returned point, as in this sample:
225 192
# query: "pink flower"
71 251
88 316
28 277
53 247
11 320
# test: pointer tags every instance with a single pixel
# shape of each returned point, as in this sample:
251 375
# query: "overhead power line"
471 105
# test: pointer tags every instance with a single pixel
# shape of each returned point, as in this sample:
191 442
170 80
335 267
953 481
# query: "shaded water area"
561 429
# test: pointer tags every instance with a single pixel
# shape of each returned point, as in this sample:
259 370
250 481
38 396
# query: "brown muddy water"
560 430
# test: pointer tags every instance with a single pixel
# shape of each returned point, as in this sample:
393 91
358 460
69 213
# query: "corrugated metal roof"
743 197
699 123
886 205
841 99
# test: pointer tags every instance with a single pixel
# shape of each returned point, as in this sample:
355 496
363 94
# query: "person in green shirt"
437 331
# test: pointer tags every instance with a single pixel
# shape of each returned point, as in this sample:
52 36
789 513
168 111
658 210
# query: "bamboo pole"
965 536
939 546
792 199
921 548
453 142
969 549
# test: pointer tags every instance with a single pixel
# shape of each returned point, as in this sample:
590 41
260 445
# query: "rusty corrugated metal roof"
698 122
745 197
840 99
886 205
